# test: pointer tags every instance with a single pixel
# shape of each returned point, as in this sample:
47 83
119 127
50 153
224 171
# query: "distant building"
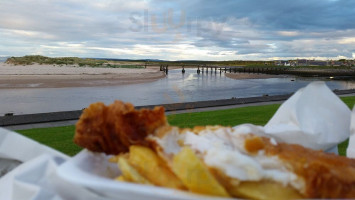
336 63
282 63
317 63
351 63
293 63
302 62
305 62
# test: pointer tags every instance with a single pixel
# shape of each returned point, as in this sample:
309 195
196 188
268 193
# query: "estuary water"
176 87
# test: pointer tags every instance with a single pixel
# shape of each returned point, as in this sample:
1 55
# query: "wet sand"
49 76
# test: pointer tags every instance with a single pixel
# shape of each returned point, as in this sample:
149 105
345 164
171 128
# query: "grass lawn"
60 138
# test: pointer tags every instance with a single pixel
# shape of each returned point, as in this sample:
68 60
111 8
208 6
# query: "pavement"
72 122
203 109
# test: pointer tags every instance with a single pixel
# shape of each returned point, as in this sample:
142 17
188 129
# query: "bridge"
276 70
202 68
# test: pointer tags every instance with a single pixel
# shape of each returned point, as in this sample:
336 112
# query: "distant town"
305 62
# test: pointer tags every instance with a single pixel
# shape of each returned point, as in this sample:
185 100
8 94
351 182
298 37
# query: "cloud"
347 40
177 30
288 33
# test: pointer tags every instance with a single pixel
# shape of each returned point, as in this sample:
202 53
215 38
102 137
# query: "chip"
264 190
152 167
195 174
129 173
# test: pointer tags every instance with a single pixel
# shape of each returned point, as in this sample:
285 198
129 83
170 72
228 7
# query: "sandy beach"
49 76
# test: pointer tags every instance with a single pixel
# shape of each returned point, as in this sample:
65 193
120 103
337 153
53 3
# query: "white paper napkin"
313 117
31 179
350 151
17 147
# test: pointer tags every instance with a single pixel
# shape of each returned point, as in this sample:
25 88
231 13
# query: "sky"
179 29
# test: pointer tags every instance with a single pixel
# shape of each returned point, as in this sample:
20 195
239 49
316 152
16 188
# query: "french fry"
195 175
152 167
263 190
121 178
259 190
129 173
114 159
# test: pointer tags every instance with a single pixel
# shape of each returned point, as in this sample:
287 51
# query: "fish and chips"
212 160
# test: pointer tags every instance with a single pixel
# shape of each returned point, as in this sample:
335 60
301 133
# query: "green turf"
61 138
258 115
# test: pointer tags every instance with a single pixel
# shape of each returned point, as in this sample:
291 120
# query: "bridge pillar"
167 69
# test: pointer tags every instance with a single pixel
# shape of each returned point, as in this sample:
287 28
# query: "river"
176 87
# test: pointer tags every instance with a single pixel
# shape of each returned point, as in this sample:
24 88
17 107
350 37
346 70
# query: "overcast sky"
179 30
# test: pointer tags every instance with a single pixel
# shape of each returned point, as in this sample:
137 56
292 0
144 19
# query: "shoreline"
240 76
55 76
49 76
65 81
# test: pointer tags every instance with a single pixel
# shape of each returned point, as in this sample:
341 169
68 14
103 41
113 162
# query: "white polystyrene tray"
96 174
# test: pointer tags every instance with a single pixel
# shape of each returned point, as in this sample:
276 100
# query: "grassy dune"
37 59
